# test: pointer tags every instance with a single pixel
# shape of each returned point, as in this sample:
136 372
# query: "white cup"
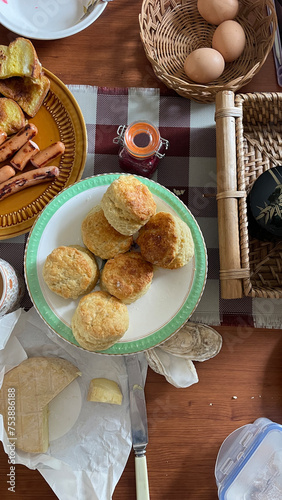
12 288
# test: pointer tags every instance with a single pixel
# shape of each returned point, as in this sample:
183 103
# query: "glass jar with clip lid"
141 148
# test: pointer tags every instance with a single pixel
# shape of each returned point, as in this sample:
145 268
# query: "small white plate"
47 19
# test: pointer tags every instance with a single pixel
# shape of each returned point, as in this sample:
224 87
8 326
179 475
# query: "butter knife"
139 427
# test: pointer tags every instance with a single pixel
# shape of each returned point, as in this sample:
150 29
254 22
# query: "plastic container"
141 148
249 463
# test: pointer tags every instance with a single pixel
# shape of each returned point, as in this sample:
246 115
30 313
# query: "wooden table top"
186 426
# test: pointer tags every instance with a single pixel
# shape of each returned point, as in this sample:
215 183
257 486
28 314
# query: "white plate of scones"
110 272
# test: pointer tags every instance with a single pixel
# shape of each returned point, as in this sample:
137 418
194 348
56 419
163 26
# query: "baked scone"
128 204
166 241
99 321
70 271
127 276
101 238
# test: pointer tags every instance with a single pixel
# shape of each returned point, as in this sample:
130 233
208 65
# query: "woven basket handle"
231 273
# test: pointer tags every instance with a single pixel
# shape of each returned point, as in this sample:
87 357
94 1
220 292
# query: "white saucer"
47 19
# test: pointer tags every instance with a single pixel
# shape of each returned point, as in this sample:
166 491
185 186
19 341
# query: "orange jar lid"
142 139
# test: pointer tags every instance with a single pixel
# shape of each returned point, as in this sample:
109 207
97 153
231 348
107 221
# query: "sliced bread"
28 93
12 118
19 58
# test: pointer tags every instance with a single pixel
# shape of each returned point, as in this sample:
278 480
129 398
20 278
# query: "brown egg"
217 11
204 65
229 39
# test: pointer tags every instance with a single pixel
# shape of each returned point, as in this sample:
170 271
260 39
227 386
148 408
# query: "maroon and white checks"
188 170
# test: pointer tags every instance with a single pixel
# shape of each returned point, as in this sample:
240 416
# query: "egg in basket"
174 30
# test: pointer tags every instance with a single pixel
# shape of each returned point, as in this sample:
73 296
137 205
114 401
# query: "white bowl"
47 19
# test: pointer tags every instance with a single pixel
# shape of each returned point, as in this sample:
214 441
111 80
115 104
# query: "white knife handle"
141 477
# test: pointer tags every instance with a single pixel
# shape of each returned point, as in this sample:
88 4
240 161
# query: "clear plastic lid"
249 463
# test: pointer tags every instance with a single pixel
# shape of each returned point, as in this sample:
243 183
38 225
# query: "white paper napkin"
7 324
179 372
174 358
89 442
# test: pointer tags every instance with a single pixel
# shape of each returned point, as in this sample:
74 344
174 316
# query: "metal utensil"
87 10
139 428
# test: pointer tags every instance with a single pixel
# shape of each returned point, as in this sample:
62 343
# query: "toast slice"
28 93
19 58
12 118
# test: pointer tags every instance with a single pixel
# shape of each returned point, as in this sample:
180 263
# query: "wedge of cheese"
32 385
103 390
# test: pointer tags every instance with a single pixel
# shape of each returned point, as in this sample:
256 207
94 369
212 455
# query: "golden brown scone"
99 321
166 241
101 238
70 271
127 276
128 204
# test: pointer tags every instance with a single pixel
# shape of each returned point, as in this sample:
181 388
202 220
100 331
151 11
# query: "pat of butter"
103 390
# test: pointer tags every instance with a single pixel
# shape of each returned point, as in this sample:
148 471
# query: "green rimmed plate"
172 297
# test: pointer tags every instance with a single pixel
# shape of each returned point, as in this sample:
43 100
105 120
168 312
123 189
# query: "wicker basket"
249 141
171 29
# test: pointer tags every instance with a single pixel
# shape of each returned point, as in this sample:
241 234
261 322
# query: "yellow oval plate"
59 118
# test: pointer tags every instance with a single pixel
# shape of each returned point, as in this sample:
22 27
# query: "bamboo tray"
248 142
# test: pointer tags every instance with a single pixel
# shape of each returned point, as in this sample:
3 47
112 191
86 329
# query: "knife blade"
139 426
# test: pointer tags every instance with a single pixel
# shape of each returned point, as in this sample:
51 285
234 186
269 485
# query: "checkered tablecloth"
188 170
